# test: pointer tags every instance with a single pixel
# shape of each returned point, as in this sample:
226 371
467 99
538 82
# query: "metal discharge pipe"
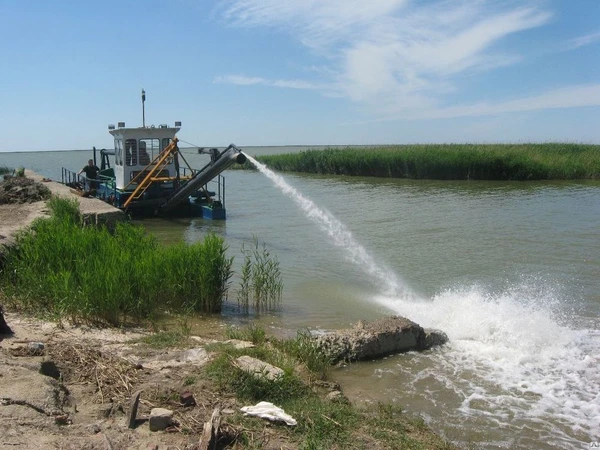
226 158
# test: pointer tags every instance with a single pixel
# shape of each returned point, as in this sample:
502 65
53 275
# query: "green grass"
190 380
87 273
550 161
283 354
165 339
252 333
322 423
316 417
4 169
305 351
301 349
248 388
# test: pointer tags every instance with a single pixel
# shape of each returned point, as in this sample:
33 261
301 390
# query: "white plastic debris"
269 411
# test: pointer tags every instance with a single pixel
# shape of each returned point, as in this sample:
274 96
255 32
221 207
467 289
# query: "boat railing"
105 183
71 179
110 187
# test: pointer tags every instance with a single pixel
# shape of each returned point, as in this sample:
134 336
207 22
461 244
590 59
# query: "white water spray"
340 235
511 356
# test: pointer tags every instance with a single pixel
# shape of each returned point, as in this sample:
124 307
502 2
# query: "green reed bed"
551 161
88 273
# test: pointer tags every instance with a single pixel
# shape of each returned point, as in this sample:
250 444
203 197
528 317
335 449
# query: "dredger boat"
147 174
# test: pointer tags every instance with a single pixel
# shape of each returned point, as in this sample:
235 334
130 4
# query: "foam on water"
339 234
512 357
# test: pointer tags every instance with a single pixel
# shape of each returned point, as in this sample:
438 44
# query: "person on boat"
91 173
144 156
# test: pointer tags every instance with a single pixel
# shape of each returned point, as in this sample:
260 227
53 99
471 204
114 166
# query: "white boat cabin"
136 148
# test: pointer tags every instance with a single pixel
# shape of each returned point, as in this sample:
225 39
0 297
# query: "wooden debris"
133 407
208 441
112 376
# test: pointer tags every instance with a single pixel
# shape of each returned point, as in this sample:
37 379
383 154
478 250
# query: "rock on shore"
394 334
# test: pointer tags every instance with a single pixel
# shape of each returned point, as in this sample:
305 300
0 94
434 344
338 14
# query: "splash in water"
511 355
339 234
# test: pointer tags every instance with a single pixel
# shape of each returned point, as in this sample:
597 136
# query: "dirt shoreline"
41 409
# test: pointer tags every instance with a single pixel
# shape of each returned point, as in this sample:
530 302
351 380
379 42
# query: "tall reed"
261 282
449 161
93 274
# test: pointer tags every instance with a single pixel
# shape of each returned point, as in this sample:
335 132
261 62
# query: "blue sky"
305 72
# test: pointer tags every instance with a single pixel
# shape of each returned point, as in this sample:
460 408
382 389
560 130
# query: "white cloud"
568 97
316 23
582 41
248 81
293 84
239 79
399 58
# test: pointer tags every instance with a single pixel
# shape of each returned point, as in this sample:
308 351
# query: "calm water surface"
511 271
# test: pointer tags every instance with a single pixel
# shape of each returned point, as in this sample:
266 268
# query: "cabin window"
131 153
165 143
119 152
149 149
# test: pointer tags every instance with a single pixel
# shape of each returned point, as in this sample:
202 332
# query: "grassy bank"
93 274
324 421
552 161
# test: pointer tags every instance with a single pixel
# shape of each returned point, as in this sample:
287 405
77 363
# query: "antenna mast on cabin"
143 108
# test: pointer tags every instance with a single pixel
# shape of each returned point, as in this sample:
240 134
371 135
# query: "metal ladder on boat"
156 166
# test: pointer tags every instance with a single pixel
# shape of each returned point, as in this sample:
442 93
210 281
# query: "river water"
509 270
